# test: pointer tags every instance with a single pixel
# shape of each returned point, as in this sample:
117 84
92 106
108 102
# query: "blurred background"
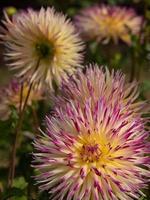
133 60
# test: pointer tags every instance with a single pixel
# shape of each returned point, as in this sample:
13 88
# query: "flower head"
108 22
93 153
97 82
16 93
42 45
95 146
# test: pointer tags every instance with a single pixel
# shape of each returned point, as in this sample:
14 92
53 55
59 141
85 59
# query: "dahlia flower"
97 82
108 22
93 154
95 146
43 46
11 96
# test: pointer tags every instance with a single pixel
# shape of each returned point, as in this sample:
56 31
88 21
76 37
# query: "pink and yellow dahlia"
94 147
108 22
95 83
42 46
14 94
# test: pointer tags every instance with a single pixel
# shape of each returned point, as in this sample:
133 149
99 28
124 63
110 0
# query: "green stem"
14 148
35 118
132 69
18 130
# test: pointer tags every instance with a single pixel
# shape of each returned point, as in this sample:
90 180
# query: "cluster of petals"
14 94
106 22
94 146
96 82
43 46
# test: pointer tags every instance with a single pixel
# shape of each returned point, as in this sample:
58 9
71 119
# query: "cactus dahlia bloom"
93 154
97 82
10 96
42 45
108 22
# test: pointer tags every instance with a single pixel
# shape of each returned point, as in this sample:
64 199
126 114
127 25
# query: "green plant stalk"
18 129
20 106
35 118
133 67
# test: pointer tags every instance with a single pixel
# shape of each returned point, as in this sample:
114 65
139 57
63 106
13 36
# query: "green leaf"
93 47
20 198
145 86
12 192
20 183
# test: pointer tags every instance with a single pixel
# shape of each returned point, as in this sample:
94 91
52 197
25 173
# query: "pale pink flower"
106 22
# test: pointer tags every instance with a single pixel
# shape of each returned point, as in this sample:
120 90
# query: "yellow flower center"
98 150
90 153
95 150
114 27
